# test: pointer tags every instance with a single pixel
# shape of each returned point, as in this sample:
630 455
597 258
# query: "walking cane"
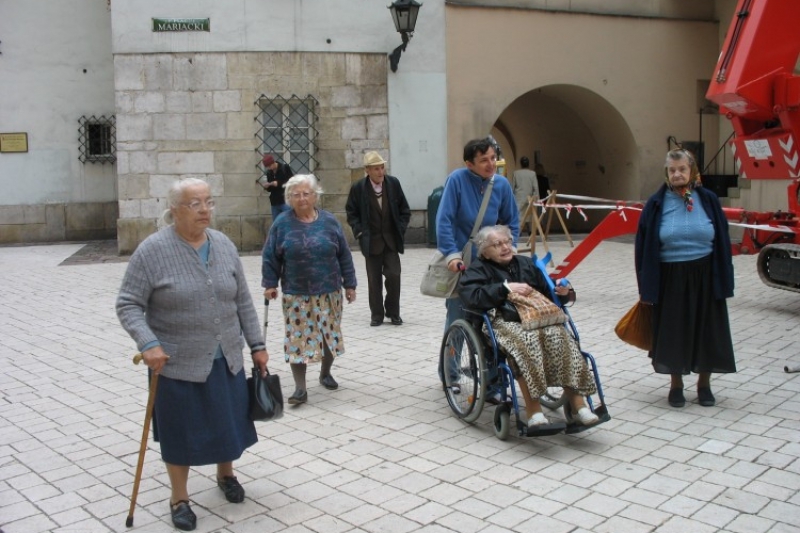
266 318
148 415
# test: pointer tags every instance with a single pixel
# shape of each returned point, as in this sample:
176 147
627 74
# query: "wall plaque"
181 24
14 142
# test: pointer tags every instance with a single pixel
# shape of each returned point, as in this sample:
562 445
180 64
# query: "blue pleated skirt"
203 423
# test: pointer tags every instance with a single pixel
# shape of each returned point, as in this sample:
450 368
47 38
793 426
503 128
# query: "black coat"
481 286
357 208
281 175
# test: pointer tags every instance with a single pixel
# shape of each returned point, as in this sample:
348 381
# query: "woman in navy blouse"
307 252
685 270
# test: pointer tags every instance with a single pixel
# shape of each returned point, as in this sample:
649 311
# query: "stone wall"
57 222
182 115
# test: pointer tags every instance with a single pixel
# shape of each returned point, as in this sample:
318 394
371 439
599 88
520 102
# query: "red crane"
756 88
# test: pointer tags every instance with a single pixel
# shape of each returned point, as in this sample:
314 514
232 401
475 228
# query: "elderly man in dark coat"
378 213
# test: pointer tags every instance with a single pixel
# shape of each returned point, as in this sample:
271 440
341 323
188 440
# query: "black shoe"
234 492
182 516
376 322
396 320
328 382
299 396
705 397
676 398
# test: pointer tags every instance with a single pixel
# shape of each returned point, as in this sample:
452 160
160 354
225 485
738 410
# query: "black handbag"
266 398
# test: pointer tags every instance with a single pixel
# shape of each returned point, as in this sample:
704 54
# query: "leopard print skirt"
544 357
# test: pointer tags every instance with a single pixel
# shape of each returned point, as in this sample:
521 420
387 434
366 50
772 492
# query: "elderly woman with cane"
184 300
307 252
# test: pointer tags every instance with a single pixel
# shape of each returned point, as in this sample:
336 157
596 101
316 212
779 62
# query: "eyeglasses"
197 204
298 195
499 244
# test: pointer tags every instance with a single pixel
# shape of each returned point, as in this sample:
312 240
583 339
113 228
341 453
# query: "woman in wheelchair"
540 358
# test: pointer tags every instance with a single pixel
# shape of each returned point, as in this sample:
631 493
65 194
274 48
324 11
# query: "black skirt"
691 328
203 423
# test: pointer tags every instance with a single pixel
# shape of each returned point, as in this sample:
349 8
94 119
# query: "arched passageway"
583 142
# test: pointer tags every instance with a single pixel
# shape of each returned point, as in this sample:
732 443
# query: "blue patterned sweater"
307 258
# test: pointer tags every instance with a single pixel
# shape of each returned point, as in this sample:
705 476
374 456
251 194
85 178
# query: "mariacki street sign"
181 24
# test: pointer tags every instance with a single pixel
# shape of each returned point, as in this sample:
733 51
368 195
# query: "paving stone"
681 506
715 515
618 524
427 513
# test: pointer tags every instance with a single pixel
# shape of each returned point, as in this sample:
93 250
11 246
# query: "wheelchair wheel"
502 422
464 370
554 398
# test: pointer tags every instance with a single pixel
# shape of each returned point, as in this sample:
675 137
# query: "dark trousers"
386 264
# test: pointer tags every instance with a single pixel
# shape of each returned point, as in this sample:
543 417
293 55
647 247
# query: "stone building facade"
181 115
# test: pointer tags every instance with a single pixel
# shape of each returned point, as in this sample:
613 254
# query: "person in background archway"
685 270
525 185
542 181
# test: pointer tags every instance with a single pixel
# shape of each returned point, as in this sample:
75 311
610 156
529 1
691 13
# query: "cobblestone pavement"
384 453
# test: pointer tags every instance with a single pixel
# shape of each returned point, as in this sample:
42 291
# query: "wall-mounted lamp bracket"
394 57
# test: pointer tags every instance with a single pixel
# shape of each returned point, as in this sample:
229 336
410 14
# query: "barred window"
97 138
287 130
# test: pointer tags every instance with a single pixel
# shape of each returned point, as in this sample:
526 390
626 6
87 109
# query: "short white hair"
482 238
175 195
301 179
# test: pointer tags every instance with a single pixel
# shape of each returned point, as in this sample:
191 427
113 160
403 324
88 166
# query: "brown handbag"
536 310
636 326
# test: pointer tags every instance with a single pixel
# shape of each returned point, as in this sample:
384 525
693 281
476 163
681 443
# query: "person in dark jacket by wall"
685 270
378 213
274 181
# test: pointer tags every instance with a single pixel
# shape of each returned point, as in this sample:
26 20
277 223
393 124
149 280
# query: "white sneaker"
538 419
586 417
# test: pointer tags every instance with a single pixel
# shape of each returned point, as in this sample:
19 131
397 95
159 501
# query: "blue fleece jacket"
461 201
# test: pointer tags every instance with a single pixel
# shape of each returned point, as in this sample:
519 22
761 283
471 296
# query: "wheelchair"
467 358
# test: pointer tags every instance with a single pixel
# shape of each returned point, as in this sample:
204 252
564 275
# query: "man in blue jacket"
378 213
461 201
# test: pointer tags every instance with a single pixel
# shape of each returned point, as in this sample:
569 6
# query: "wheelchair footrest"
542 430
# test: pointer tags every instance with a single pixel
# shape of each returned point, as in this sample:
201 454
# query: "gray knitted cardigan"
168 295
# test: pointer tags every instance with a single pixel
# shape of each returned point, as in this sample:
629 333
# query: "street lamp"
404 14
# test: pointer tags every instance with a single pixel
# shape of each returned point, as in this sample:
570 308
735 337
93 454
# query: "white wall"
44 90
417 91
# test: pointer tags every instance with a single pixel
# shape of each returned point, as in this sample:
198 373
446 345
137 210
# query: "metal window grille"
97 137
286 129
